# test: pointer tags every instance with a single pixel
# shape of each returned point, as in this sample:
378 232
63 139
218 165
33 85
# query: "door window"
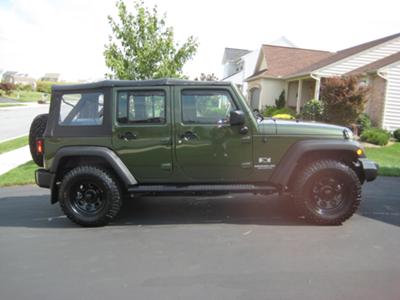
206 106
141 107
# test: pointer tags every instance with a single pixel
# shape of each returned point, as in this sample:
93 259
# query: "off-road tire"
109 193
37 129
307 190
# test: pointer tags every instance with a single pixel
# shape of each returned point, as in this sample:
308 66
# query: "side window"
141 107
81 109
206 106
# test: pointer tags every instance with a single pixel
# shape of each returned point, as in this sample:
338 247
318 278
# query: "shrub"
396 134
375 136
364 122
24 87
280 102
312 110
45 86
343 99
7 87
270 111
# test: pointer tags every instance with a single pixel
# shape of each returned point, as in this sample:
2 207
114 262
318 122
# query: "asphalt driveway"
239 247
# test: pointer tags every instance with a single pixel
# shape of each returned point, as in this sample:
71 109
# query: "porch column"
299 91
317 87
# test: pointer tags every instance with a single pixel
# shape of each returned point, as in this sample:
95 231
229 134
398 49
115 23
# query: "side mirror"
236 118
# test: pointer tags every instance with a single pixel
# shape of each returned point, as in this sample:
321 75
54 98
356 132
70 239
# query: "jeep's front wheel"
89 196
327 192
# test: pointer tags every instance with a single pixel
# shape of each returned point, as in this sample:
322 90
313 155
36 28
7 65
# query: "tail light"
39 146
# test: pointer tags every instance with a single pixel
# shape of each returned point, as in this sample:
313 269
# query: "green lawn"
388 159
25 96
13 144
23 174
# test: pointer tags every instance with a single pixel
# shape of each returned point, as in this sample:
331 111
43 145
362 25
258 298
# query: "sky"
68 36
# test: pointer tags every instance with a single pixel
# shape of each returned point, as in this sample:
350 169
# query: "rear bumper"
44 178
370 169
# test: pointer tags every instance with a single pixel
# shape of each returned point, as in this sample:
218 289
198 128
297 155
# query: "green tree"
141 46
280 102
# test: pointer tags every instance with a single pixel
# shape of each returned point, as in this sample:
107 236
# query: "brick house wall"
376 100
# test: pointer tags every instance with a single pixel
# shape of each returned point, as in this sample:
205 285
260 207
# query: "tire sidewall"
110 194
317 170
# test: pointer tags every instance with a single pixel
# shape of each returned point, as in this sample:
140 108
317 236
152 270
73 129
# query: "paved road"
224 248
15 121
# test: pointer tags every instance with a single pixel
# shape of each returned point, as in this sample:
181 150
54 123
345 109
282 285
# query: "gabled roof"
342 54
376 65
231 54
282 61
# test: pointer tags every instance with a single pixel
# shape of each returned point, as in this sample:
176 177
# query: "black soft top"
124 83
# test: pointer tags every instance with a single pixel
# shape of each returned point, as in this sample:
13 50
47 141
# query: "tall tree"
141 46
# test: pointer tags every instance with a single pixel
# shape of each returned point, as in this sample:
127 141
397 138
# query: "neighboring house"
53 77
19 78
239 64
8 76
299 72
274 64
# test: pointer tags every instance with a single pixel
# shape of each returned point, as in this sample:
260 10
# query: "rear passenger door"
142 131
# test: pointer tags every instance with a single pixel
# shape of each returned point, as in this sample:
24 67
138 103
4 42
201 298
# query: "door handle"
188 135
126 136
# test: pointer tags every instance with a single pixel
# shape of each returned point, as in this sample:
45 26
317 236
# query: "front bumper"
44 178
370 169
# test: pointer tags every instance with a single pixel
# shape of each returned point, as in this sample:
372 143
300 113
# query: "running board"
204 189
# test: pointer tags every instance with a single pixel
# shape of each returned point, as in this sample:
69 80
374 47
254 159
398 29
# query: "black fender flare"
97 151
288 163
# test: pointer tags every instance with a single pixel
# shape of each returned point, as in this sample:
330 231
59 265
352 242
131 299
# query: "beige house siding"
391 115
270 90
360 59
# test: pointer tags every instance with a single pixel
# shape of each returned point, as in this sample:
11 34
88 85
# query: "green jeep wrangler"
108 141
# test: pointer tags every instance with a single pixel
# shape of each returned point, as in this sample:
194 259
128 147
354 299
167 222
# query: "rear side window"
81 109
135 107
206 106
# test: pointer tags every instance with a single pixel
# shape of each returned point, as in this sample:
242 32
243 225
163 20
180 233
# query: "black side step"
204 189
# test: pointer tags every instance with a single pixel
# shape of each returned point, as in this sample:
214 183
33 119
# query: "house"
299 73
52 77
274 64
239 64
19 78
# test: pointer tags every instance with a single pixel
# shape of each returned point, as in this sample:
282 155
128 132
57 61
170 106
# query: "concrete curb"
14 158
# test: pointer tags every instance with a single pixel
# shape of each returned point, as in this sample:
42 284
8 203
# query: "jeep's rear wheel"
327 192
89 196
36 131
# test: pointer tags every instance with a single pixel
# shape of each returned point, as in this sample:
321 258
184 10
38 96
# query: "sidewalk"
14 158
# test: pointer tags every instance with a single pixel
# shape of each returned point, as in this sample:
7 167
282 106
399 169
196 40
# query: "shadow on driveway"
30 207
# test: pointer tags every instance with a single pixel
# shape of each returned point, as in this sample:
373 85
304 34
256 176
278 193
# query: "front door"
207 147
142 135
